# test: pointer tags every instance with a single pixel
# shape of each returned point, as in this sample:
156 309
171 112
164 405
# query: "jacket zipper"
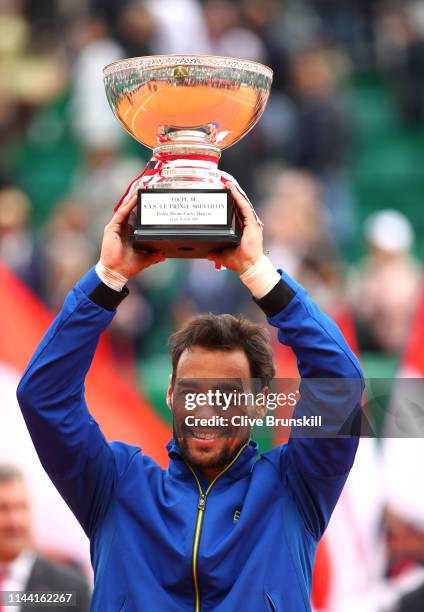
201 506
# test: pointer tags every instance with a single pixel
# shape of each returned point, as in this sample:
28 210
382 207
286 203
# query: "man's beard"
220 461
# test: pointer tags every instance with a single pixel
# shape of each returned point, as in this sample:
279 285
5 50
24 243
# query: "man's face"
14 519
201 370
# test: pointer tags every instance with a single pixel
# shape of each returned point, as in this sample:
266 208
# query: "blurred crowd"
295 164
65 161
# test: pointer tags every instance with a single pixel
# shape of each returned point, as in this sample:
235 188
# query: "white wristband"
109 277
260 278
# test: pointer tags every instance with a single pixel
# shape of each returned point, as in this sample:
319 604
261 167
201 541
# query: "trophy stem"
187 149
185 141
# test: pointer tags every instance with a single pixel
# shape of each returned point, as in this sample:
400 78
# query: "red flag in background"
413 357
122 413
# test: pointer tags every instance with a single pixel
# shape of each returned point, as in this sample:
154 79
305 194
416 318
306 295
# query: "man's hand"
250 250
117 253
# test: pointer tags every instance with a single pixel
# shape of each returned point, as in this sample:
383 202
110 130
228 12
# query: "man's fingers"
124 210
243 205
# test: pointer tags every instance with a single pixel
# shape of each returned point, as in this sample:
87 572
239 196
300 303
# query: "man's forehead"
223 384
205 363
15 487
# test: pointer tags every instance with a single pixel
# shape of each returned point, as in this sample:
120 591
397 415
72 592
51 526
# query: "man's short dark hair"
9 473
225 333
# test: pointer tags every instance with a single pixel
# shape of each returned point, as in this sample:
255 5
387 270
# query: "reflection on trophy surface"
187 109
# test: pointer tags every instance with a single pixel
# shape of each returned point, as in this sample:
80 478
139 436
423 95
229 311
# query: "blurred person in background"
129 22
385 285
98 181
350 24
321 272
322 141
22 568
178 27
355 540
400 43
205 290
163 305
403 456
130 329
32 72
265 18
275 133
19 250
227 35
295 219
68 249
90 113
376 534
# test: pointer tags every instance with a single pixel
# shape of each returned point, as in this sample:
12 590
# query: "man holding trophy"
223 528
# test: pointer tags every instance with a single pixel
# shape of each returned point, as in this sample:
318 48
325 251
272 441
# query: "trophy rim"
223 61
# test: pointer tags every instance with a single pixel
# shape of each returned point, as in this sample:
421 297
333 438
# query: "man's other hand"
117 252
250 250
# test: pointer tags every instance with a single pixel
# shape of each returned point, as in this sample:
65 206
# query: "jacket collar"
241 467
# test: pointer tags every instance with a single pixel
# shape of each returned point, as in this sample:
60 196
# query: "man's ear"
262 407
169 393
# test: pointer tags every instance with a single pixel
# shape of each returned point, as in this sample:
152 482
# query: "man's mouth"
206 434
202 435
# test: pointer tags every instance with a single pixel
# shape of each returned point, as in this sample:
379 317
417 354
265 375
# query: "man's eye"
180 395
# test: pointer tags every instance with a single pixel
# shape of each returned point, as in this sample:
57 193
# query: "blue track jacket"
162 540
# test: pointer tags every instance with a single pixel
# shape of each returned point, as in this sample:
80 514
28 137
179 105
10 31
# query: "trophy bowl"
187 109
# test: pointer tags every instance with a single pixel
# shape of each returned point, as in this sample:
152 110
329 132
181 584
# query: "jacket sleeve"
316 461
68 441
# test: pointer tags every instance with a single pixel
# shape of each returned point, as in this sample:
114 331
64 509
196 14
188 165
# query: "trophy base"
184 239
189 244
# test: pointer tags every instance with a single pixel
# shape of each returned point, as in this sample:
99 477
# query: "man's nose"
207 410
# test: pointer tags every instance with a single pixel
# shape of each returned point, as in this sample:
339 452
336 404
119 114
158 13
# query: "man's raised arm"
314 468
69 443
